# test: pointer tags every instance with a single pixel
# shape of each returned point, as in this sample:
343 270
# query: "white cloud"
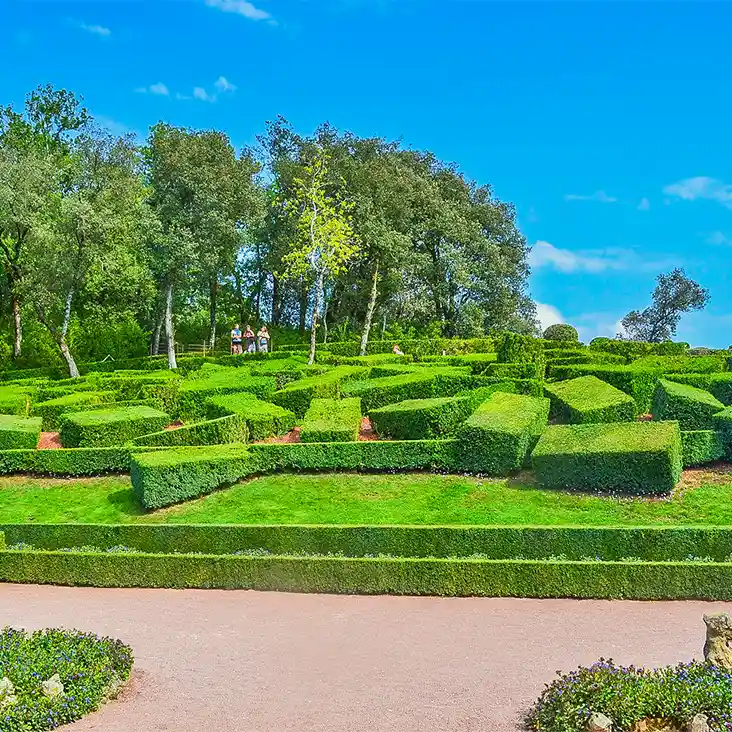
97 30
548 315
644 204
240 7
701 187
202 95
718 238
598 196
224 85
158 89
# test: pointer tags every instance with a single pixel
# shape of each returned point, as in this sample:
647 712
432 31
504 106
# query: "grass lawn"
336 498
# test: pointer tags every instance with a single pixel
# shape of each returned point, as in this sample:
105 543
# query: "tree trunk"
383 327
65 352
239 297
18 325
275 300
303 308
155 342
212 314
316 308
169 334
325 320
370 310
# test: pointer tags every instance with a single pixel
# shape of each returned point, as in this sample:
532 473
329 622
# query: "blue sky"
606 123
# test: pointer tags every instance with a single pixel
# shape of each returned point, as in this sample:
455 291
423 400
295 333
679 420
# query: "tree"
674 295
561 332
325 242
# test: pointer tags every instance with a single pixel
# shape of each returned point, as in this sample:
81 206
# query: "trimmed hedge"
683 364
220 431
636 349
16 399
165 477
53 410
332 420
67 462
423 419
515 348
418 347
561 332
723 425
589 399
693 408
263 419
720 385
515 370
499 435
632 457
108 427
17 433
297 395
701 446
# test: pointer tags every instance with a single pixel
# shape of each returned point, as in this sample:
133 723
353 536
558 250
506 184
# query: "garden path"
235 661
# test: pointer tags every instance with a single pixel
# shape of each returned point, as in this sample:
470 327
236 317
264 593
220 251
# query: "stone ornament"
7 692
719 632
700 723
599 723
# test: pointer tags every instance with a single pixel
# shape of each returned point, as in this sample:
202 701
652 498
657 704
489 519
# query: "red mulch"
174 426
292 436
49 441
367 432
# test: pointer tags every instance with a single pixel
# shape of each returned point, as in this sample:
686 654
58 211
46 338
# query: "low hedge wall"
632 457
398 576
66 462
701 446
220 431
53 409
723 425
423 419
417 347
332 420
263 419
296 396
109 427
19 432
499 435
720 385
589 399
693 408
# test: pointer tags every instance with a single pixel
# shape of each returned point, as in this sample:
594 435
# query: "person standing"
249 339
236 339
263 339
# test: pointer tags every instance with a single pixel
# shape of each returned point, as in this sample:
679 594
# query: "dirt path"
50 441
234 661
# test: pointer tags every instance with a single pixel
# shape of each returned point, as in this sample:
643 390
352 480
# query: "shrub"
422 419
91 669
332 420
18 432
373 359
263 419
131 384
723 425
682 364
561 332
478 362
720 385
630 695
515 370
588 399
165 477
636 349
78 461
52 410
693 408
218 431
499 435
297 395
701 446
632 457
107 427
16 399
515 348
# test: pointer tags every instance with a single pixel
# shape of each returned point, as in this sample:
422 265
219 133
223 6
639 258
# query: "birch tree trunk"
370 310
316 308
63 346
325 321
155 340
214 285
18 326
169 334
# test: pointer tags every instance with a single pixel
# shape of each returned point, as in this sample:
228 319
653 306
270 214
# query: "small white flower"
53 686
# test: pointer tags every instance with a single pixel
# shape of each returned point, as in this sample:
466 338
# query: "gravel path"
266 662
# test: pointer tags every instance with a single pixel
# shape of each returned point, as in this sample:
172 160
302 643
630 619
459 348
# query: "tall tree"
674 295
326 242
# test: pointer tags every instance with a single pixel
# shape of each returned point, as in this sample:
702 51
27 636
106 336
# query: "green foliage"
701 446
332 420
561 332
165 477
720 385
108 427
68 462
91 669
683 364
53 410
297 395
500 434
515 348
263 419
19 432
630 695
422 419
515 370
220 431
693 408
16 399
588 399
631 350
723 424
630 457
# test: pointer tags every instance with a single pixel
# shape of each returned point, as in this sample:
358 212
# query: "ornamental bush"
220 431
16 398
263 419
422 419
497 438
630 457
108 427
588 399
720 385
561 332
701 446
90 670
723 425
693 408
332 420
52 410
19 432
297 395
67 462
515 348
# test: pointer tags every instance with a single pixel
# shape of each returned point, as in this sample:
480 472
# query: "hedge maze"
614 418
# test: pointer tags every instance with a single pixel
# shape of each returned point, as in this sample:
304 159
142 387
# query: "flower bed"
54 677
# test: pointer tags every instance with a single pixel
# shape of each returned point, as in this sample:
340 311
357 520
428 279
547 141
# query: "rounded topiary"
561 332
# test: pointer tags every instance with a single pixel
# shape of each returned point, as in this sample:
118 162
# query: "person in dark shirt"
249 339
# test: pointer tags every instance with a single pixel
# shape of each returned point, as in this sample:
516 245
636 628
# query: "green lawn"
363 499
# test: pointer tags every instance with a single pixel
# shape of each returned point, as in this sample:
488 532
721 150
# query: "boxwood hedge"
297 395
53 409
108 427
332 420
720 385
423 419
263 419
589 399
66 462
220 431
701 446
19 432
693 408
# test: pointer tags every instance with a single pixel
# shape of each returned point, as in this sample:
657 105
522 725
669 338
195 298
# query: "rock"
7 692
53 686
700 723
719 632
599 723
651 724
